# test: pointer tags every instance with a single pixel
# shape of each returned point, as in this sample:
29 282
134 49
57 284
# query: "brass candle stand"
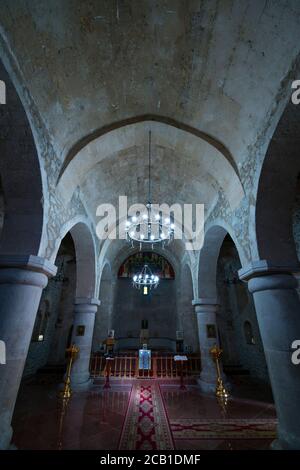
72 354
221 392
63 410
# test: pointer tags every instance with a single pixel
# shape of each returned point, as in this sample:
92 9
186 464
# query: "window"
41 322
248 333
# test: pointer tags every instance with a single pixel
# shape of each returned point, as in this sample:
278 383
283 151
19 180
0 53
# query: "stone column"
206 310
82 336
22 279
278 314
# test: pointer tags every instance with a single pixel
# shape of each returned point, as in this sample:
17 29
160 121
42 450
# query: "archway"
243 355
86 304
74 283
23 274
224 305
271 279
276 193
47 349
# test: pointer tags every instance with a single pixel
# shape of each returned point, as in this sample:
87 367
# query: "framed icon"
211 331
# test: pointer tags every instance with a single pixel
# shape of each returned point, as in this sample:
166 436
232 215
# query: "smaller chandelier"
145 280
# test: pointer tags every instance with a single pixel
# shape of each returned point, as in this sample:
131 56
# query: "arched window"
41 322
157 263
248 332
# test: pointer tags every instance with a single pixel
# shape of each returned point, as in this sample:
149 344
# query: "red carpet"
146 424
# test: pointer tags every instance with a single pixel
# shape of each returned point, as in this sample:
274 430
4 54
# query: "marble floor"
93 419
190 405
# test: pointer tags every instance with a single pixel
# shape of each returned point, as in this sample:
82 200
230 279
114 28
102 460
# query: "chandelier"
150 227
145 280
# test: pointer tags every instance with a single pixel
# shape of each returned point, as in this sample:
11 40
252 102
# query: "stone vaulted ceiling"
216 71
208 64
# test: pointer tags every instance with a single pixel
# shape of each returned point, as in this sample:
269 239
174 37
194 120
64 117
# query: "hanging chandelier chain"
149 163
151 227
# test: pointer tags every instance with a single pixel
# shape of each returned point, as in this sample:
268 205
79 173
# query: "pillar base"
6 433
81 382
209 385
291 443
206 387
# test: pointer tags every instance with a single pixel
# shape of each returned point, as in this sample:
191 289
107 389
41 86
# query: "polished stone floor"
192 404
93 419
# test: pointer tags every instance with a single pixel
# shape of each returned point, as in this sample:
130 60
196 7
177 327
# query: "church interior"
117 331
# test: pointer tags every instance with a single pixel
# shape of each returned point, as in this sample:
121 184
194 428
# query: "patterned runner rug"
223 429
146 424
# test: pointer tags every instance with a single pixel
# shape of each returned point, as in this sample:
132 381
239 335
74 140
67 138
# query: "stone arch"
124 254
214 162
208 258
85 303
142 118
85 251
235 306
20 178
277 191
54 318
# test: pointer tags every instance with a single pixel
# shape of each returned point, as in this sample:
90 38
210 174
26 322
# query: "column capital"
86 305
205 305
205 301
86 301
29 263
263 267
262 275
26 270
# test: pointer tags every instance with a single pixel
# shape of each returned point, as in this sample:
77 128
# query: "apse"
154 310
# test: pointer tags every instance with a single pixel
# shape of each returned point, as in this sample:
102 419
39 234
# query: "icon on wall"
80 330
179 335
211 331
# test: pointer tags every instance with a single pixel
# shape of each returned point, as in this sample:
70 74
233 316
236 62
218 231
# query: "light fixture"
150 228
145 280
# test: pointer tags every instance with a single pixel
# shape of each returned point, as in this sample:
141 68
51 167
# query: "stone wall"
159 309
2 207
